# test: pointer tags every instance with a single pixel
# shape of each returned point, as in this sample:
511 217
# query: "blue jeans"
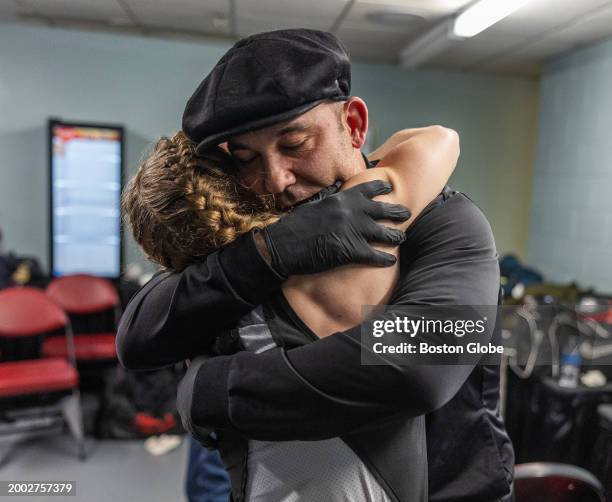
207 480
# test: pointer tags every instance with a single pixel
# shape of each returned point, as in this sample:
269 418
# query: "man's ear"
356 116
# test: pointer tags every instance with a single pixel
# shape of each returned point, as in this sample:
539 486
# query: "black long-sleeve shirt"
321 390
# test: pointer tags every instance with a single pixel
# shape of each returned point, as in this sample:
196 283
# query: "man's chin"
288 202
321 194
308 199
297 203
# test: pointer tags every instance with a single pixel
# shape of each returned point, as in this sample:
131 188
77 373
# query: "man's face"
296 159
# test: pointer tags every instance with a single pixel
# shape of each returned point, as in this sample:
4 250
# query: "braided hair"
181 206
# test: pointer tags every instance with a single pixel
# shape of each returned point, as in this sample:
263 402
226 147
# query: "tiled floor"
115 471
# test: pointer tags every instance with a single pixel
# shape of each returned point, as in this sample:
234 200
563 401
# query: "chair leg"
7 445
71 409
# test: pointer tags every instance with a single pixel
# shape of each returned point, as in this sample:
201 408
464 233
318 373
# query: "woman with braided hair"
182 206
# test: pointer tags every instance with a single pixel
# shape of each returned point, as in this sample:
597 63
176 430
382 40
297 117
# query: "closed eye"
294 146
244 160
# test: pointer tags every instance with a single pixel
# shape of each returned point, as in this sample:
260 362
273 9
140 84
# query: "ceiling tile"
428 8
358 19
589 29
8 11
98 10
266 15
381 46
211 16
524 27
517 44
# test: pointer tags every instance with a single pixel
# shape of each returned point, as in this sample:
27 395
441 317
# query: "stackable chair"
36 394
87 300
550 482
601 458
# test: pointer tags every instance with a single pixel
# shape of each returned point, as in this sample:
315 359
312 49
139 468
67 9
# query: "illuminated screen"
86 172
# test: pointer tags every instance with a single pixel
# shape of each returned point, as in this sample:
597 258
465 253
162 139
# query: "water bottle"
570 369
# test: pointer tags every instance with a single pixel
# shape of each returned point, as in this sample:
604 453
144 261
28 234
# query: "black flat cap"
266 79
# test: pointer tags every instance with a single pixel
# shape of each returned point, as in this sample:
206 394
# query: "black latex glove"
334 231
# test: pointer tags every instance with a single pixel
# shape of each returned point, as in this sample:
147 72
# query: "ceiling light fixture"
470 22
483 15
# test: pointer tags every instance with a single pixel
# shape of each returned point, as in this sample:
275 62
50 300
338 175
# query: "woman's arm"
392 141
417 162
417 168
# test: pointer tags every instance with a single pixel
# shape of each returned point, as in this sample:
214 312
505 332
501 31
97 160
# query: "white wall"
571 220
144 83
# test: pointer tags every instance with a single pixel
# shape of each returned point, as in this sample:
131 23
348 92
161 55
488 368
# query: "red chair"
37 394
84 295
550 482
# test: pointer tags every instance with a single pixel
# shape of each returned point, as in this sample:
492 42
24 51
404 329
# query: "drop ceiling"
373 30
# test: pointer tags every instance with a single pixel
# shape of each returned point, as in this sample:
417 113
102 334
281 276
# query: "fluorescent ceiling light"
484 14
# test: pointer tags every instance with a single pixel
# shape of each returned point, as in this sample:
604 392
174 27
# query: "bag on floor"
140 404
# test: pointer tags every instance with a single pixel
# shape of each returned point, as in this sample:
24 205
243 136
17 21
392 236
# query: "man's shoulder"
448 202
452 217
449 256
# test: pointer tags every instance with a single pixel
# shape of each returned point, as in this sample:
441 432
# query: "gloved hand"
334 231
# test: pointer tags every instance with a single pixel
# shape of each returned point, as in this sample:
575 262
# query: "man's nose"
277 175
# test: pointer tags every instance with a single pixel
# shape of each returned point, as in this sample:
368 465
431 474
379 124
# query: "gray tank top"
291 471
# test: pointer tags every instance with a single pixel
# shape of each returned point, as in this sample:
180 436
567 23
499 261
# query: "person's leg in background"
207 480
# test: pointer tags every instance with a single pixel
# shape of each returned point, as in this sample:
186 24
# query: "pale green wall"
496 118
571 222
144 83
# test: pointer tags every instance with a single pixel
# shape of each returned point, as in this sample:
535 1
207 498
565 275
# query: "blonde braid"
181 207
